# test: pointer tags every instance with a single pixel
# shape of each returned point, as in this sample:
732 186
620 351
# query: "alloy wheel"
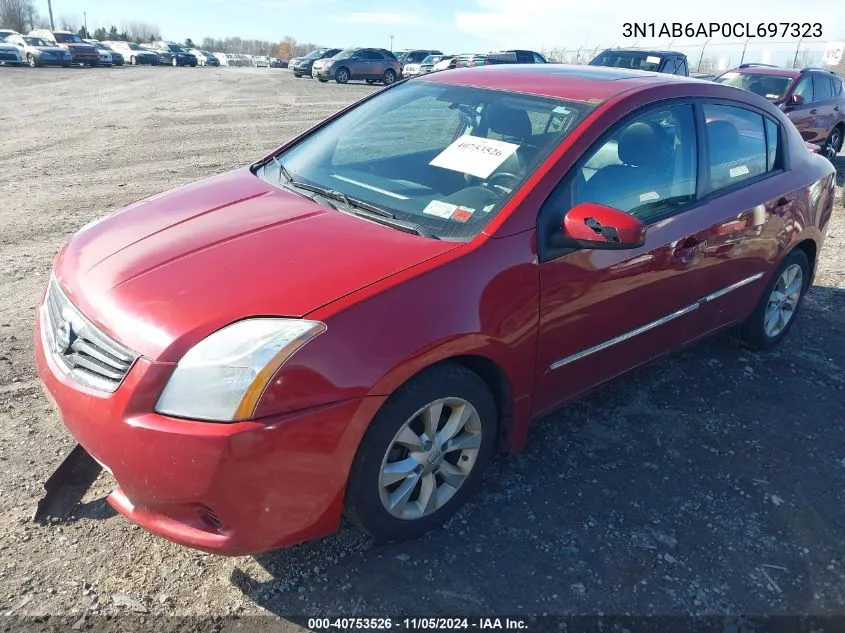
430 458
31 59
342 76
783 301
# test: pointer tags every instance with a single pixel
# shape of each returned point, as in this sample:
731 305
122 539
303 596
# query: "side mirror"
796 99
595 226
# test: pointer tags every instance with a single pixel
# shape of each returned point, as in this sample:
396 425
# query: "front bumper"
231 489
326 72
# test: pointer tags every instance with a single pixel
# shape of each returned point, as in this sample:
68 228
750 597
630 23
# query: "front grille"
83 352
8 57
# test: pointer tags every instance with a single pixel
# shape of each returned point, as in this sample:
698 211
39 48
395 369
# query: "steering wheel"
502 175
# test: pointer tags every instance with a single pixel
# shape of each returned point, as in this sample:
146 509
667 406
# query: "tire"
371 81
174 62
449 388
756 332
30 59
133 61
66 65
389 77
297 76
833 144
321 80
341 76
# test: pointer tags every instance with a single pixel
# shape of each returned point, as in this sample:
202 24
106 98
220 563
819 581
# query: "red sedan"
357 322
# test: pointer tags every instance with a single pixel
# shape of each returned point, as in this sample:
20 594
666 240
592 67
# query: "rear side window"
822 88
805 89
737 145
539 59
671 66
646 167
682 68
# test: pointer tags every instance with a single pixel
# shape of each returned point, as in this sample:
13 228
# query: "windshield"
772 87
176 48
67 38
446 157
315 54
346 52
628 59
35 41
135 47
431 59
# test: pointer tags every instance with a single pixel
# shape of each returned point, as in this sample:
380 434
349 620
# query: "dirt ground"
709 483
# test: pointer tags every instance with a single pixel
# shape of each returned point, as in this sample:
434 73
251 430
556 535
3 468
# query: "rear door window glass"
737 145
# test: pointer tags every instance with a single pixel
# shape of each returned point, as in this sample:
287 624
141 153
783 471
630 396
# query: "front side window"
805 89
646 167
737 142
447 157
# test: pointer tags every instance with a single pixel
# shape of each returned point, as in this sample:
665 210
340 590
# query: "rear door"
825 104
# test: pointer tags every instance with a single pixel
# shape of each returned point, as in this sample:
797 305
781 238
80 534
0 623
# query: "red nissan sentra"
357 322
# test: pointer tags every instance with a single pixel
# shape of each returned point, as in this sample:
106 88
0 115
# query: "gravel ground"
709 483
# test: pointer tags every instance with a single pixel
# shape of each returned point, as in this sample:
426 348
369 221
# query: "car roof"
591 84
766 70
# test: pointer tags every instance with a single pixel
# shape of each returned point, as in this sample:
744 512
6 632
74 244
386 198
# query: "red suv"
812 98
356 322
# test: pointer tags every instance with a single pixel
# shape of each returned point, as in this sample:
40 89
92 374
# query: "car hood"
8 47
162 273
50 49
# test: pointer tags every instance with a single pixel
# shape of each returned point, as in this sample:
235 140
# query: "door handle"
686 250
813 111
836 109
782 202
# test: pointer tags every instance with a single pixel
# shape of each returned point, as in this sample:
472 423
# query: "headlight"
329 64
222 377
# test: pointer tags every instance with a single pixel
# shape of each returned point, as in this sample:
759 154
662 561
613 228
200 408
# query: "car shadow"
707 482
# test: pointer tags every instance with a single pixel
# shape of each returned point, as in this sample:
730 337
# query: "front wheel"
341 76
321 80
776 311
423 455
833 144
30 58
389 77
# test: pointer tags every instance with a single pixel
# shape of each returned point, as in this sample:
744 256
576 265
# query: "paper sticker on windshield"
742 170
488 208
474 155
651 59
462 214
650 196
440 209
772 96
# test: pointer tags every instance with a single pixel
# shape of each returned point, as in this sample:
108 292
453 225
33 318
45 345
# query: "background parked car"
259 61
302 66
39 52
107 56
812 98
514 57
133 53
275 62
414 56
370 64
174 54
11 54
669 62
81 52
205 58
427 65
116 56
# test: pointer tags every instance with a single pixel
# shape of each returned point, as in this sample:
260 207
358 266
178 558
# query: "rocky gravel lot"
708 483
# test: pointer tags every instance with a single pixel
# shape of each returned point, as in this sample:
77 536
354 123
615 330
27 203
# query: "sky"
453 26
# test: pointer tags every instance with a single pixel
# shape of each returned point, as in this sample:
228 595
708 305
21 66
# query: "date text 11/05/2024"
436 624
738 30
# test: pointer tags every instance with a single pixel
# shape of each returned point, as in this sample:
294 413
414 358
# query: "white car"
133 54
10 54
260 61
222 57
105 54
411 70
205 58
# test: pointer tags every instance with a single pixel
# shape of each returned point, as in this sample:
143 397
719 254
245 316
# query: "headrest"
508 121
644 145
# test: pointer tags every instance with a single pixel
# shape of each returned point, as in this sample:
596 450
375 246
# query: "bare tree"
19 15
70 23
138 31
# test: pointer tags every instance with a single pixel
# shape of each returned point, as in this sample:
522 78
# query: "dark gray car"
300 66
370 64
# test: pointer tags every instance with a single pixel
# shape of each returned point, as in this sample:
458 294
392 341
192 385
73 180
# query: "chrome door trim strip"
653 324
623 337
731 288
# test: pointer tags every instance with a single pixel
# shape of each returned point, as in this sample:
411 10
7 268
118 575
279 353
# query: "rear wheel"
423 454
779 305
30 58
833 144
174 62
341 76
389 77
321 80
133 60
371 81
